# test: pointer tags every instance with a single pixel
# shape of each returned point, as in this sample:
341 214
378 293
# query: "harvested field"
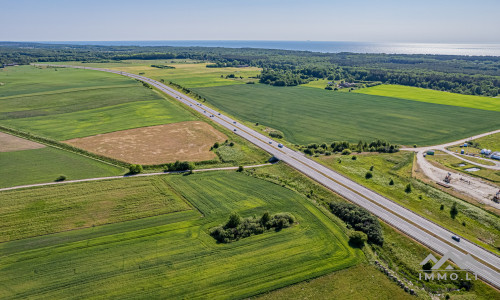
189 141
9 143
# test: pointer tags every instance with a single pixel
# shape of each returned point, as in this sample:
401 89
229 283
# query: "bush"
441 207
135 169
368 175
231 144
346 152
276 134
354 157
180 166
60 178
454 210
237 228
357 239
240 169
371 168
216 145
408 188
391 182
360 219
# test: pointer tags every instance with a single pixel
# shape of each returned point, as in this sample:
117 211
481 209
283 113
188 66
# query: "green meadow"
432 96
168 255
310 115
70 103
46 164
187 73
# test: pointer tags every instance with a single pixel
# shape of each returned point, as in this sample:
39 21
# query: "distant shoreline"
317 46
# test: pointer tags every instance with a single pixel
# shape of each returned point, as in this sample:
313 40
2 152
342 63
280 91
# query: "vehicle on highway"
234 129
270 142
234 122
280 145
456 238
219 114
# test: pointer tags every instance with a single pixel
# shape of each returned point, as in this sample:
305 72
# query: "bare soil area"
184 141
9 143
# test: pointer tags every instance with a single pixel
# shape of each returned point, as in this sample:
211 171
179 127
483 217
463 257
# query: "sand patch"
9 143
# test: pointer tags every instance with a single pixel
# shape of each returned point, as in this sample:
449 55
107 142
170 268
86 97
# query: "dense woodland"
475 75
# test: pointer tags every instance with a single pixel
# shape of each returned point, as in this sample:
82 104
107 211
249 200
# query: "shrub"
358 239
354 157
231 144
371 168
391 182
276 134
216 145
368 175
135 169
408 188
360 219
240 169
441 207
60 178
237 228
454 211
346 152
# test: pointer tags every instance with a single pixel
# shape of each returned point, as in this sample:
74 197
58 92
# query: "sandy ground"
9 143
184 141
470 186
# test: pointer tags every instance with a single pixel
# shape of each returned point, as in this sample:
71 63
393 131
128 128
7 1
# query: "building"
495 155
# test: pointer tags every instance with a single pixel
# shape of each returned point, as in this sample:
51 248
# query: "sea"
319 46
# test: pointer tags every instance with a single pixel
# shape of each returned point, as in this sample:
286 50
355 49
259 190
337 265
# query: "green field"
491 142
432 96
481 227
308 115
46 164
172 255
40 211
71 103
187 73
360 282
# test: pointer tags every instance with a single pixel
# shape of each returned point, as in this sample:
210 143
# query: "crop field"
46 164
45 210
172 255
70 103
306 115
481 227
187 74
188 141
10 143
432 96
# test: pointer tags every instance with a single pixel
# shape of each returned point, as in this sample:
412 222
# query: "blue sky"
435 21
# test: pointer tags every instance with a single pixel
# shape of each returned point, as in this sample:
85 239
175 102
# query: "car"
270 142
219 114
456 238
204 111
235 129
280 145
234 122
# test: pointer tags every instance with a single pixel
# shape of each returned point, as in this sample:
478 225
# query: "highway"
485 264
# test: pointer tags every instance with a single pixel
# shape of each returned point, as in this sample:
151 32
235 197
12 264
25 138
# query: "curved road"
485 264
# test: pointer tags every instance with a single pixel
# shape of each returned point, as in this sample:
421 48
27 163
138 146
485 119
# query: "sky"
406 21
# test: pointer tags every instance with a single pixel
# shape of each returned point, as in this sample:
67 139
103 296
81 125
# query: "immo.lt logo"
433 269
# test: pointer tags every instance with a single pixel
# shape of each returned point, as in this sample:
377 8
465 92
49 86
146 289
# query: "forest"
472 75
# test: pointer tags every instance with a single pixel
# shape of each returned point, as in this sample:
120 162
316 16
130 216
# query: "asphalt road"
484 263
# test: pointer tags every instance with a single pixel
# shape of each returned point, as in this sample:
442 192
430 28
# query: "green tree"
368 175
391 182
234 220
135 169
408 188
358 239
240 169
427 267
454 210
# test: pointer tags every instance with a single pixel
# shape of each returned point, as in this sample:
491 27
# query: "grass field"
172 256
307 115
46 164
481 227
360 282
184 141
40 211
432 96
187 73
491 142
70 103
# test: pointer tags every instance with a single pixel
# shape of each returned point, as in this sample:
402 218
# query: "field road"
125 176
485 264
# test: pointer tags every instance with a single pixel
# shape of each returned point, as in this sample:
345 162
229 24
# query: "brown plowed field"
10 143
184 141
